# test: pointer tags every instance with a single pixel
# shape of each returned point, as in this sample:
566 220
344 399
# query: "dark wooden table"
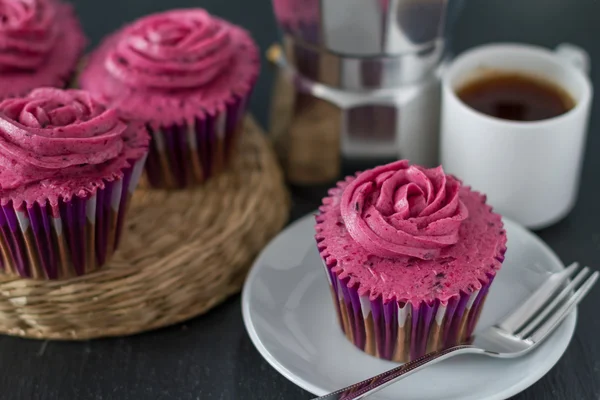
211 357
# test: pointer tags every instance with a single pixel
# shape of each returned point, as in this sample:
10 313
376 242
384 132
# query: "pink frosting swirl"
172 50
28 33
55 133
400 210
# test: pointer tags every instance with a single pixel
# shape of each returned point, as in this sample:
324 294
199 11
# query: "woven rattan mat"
182 253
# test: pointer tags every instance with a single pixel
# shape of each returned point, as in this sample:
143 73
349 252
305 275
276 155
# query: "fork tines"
549 304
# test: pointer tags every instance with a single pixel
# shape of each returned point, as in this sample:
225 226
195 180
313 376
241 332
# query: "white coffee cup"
529 170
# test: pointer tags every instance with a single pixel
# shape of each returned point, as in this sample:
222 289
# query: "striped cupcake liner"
401 332
187 155
71 238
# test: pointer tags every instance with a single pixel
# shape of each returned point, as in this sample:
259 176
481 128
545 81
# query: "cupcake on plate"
41 42
410 255
187 75
68 167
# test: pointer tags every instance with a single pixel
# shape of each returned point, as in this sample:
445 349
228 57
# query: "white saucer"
290 317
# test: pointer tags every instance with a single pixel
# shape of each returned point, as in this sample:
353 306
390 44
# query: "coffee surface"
517 97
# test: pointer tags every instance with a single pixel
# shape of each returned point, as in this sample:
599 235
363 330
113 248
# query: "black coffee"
516 97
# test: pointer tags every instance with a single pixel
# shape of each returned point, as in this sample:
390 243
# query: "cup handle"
574 55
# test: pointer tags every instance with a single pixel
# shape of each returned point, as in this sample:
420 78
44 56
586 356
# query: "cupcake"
410 255
185 74
40 45
68 167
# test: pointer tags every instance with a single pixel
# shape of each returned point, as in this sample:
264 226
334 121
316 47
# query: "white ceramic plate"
290 317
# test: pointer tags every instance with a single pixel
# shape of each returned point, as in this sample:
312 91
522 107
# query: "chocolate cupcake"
187 75
41 42
68 169
410 255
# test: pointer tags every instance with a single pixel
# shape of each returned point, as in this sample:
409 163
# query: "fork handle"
369 386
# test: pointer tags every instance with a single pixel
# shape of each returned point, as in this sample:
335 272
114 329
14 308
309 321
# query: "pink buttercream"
54 141
294 13
173 50
40 43
29 33
173 67
457 268
401 210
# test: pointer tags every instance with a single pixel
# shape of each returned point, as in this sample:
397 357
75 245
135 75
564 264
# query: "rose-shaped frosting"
400 210
28 33
55 133
172 50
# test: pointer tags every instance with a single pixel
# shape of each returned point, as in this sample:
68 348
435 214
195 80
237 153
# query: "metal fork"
515 335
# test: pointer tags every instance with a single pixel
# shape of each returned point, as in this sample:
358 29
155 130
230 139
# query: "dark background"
211 357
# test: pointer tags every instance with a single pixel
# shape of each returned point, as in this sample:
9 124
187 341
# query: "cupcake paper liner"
189 154
401 332
71 238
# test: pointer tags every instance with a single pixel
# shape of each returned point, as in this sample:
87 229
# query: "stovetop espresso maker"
359 80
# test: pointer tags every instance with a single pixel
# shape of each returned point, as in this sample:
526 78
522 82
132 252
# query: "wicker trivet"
183 253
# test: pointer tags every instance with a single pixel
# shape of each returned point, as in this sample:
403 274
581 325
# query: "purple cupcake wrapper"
69 239
399 332
186 155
